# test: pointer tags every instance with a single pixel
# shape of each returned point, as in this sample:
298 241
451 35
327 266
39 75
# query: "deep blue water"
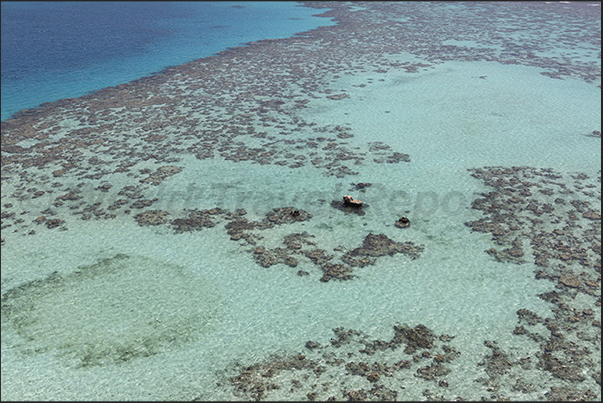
54 50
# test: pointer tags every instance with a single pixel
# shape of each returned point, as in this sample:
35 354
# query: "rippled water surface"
183 236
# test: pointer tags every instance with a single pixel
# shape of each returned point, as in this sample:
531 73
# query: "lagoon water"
113 309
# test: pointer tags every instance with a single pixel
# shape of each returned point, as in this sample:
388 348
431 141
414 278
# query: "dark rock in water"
349 201
54 223
151 217
397 157
561 369
566 394
498 363
433 371
570 281
265 257
311 345
419 337
290 261
337 97
360 368
356 395
380 245
348 207
403 222
358 261
317 256
281 215
297 240
373 376
591 215
162 173
196 220
268 257
336 271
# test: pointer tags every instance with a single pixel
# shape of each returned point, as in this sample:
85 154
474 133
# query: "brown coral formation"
75 151
378 245
347 358
548 218
151 217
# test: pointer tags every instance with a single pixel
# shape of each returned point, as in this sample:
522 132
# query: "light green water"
141 313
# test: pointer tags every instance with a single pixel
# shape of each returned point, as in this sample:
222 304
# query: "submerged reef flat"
326 371
540 215
104 157
554 221
242 106
296 245
353 366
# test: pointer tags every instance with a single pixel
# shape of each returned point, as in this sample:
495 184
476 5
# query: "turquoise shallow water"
453 286
139 312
